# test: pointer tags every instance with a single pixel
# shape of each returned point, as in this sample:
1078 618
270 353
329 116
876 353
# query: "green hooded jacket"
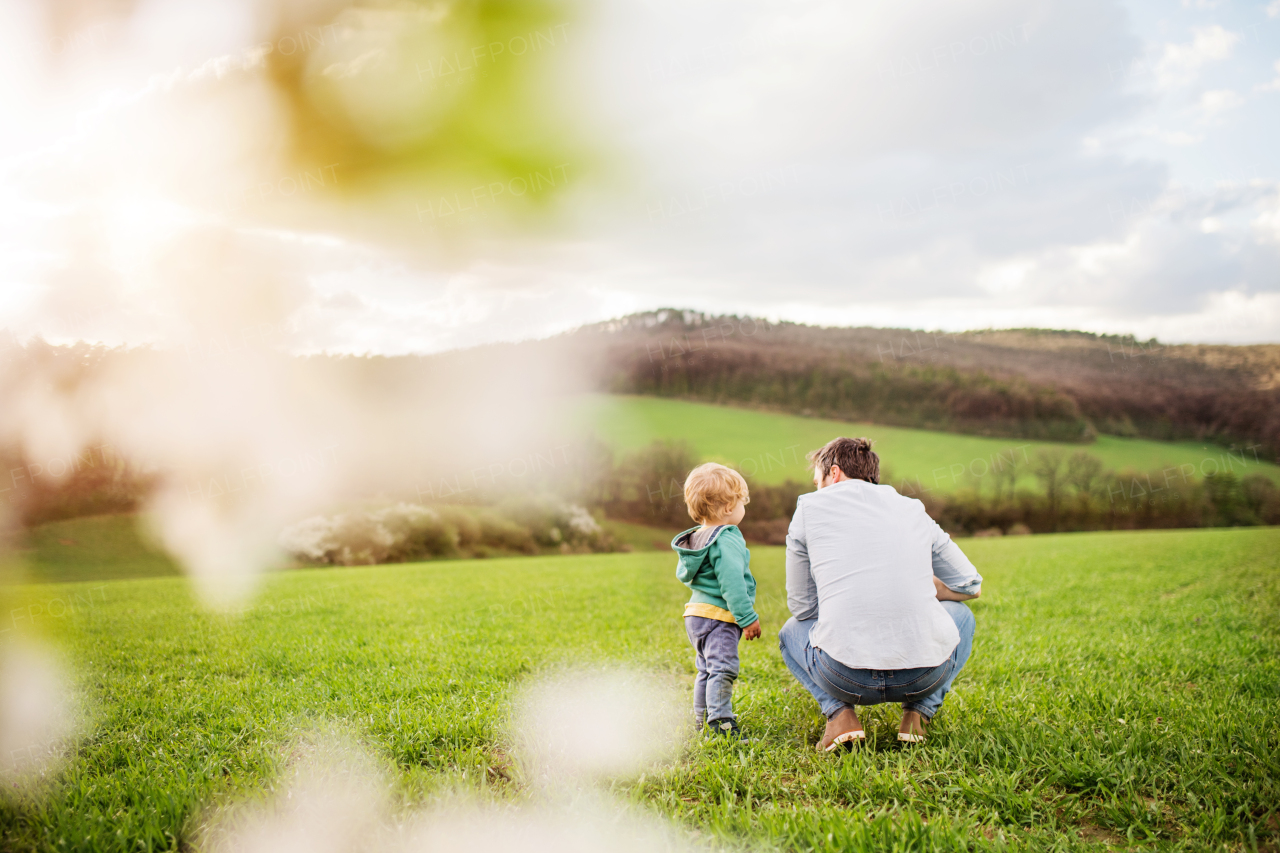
719 573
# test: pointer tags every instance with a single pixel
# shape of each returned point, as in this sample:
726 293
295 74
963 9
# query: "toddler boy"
715 565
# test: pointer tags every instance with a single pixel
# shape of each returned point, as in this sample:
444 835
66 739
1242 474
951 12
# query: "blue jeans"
837 686
715 644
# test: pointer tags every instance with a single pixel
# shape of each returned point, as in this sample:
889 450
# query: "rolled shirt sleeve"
950 565
802 593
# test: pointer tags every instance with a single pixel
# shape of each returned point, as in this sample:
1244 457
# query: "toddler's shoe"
725 728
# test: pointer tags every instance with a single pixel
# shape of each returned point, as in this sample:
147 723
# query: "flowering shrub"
405 531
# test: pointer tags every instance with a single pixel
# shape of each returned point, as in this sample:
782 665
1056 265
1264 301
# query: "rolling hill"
1021 383
770 446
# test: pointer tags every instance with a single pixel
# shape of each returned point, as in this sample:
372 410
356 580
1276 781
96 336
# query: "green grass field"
1124 691
770 447
111 547
93 548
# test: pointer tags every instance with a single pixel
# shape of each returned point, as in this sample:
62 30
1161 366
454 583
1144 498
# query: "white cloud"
1173 137
1217 101
1267 223
1180 63
1273 9
1273 85
954 168
1230 315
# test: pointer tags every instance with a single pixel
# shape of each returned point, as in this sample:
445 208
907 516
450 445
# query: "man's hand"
945 593
752 631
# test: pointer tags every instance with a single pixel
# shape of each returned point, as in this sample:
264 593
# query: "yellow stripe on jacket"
708 611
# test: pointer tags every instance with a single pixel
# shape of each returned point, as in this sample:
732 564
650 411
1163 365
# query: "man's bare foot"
843 728
912 728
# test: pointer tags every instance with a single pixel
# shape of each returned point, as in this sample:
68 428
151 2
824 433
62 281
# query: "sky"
1097 165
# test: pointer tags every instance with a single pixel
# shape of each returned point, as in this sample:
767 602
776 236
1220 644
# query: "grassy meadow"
770 446
111 547
92 548
1124 692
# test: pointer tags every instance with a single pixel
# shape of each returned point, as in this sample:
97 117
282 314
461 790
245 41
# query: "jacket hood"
691 559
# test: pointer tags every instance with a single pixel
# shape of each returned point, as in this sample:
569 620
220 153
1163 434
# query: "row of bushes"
1129 501
1076 493
405 532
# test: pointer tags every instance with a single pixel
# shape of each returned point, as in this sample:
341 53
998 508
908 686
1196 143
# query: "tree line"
1076 493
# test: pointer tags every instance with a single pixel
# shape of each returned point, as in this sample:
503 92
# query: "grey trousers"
716 645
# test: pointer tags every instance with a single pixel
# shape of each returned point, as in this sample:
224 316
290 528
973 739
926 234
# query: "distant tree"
1084 471
652 484
1004 476
1261 497
1228 500
1048 466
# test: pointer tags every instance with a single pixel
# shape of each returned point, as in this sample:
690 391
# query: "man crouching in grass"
715 565
874 587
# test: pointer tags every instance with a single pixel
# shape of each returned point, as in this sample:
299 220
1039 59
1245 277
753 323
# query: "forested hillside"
1031 383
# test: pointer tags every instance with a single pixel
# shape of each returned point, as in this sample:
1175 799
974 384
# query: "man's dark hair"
854 456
